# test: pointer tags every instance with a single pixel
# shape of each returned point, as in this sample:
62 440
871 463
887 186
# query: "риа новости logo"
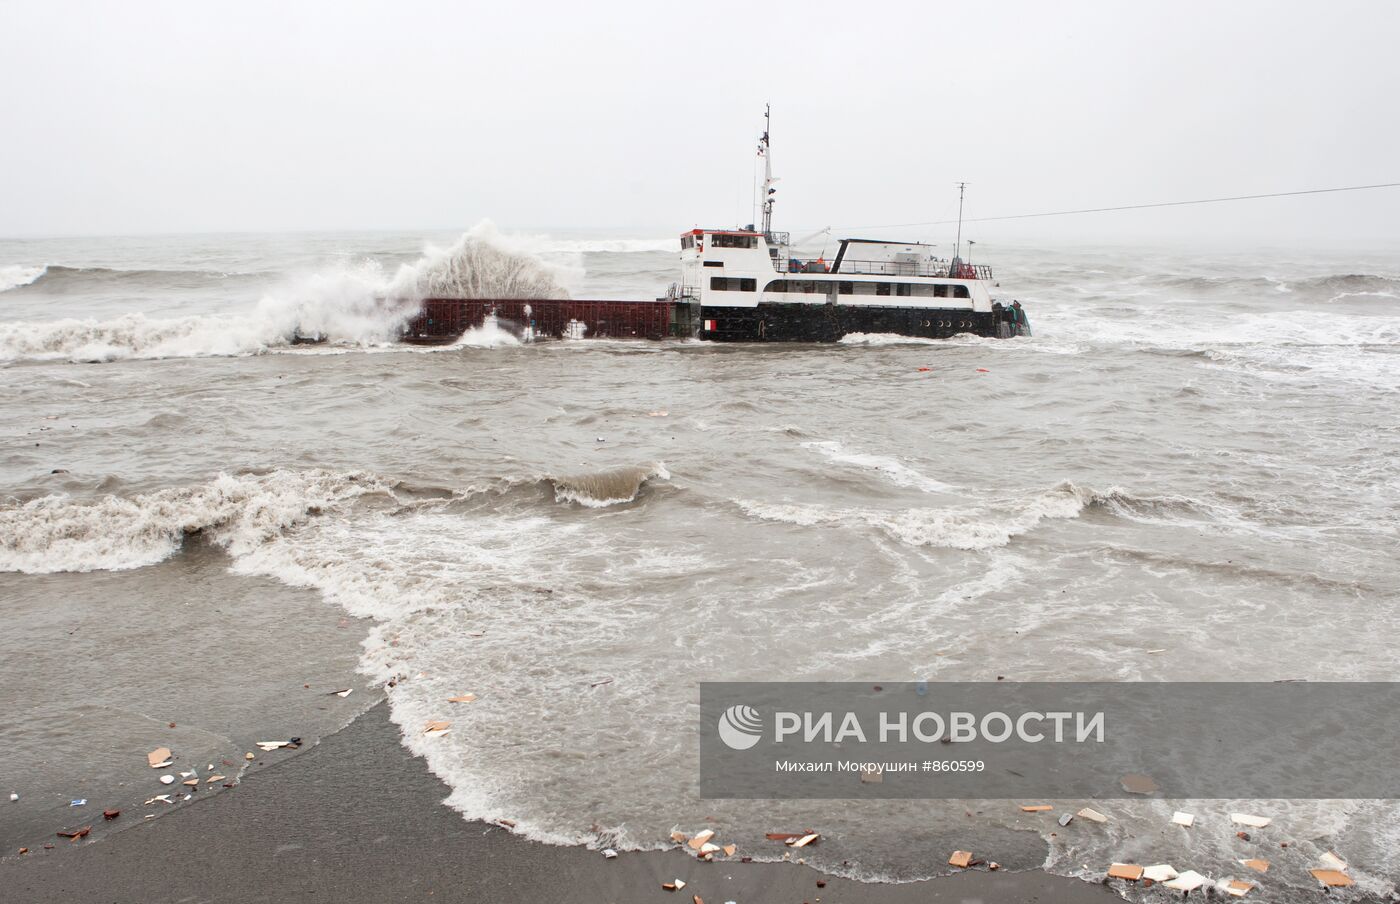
740 727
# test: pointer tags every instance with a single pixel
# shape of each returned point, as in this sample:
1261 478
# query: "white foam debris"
1161 872
1254 822
1183 819
1333 861
1092 815
1187 881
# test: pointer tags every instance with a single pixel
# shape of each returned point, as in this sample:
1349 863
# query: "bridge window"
714 263
733 284
687 241
882 288
734 241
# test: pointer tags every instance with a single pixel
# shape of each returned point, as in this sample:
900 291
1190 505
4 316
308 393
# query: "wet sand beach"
358 819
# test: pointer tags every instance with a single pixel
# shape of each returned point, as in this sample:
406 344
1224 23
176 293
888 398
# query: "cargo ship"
748 285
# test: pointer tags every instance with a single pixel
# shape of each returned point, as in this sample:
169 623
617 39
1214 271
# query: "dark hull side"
828 323
441 321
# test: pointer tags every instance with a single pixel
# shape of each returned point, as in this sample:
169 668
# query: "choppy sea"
201 523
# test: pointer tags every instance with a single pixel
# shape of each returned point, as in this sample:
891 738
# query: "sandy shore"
358 819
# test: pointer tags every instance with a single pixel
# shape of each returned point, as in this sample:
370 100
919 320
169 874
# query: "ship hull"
443 321
831 322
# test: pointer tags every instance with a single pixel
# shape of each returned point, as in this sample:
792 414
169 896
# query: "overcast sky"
137 117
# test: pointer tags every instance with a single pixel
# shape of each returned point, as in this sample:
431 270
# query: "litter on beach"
1183 819
783 836
75 834
609 853
343 693
436 726
111 814
1160 872
1066 819
1332 861
159 758
729 850
167 779
1035 808
1234 887
213 778
960 859
1332 878
13 796
700 838
1187 881
79 802
192 782
1130 871
1092 815
679 837
249 756
709 847
1259 866
268 746
1254 822
462 698
675 885
163 798
804 840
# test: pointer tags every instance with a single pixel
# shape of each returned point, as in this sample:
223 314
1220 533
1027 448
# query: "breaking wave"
970 527
12 276
359 305
606 488
57 533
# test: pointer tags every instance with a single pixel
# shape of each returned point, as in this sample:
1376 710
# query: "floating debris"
1187 881
1092 815
1183 819
1332 861
192 782
961 859
1254 822
159 758
213 778
163 798
436 727
78 802
249 756
1234 887
1035 808
342 693
679 837
13 797
729 849
1159 872
462 698
1332 878
674 885
75 834
111 814
1259 866
167 779
1130 871
804 840
1066 819
609 853
699 840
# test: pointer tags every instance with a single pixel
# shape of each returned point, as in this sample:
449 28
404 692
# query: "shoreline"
359 818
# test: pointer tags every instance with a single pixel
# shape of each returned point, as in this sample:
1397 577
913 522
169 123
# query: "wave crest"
111 533
604 488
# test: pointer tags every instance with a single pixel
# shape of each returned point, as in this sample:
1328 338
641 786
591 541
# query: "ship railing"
929 268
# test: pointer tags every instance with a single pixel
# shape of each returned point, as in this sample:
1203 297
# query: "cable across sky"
1063 213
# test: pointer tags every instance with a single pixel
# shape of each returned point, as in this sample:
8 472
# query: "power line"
1062 213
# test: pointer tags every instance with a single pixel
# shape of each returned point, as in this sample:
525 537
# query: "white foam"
12 276
57 533
894 471
970 527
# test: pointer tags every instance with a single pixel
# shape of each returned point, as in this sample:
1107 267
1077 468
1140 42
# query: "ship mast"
765 152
